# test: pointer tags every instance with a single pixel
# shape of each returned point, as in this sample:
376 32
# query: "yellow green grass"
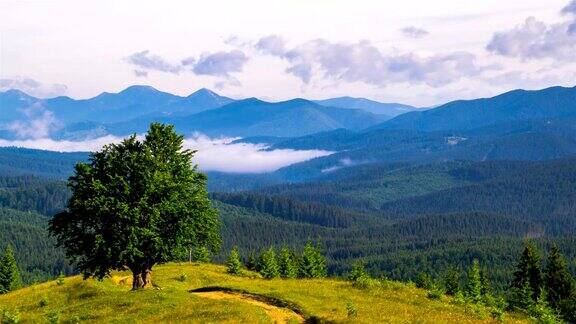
110 300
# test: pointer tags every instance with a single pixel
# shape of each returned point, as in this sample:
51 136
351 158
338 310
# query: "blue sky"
416 52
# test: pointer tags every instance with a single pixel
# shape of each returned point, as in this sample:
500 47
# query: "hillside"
204 292
253 117
551 103
375 107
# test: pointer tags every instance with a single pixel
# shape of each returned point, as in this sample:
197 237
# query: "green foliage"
53 317
424 281
435 293
351 310
529 270
312 263
9 317
357 271
9 273
43 302
201 254
182 277
452 281
60 280
252 262
134 205
474 283
234 263
268 264
287 263
557 279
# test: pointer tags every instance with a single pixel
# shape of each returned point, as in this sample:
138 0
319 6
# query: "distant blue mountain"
517 105
375 107
133 102
254 117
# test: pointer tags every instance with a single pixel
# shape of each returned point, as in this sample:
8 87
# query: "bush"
424 281
435 294
43 302
182 277
351 310
53 317
10 318
357 271
60 281
201 254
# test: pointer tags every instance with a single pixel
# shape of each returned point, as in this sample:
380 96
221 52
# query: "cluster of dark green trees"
311 263
9 272
543 290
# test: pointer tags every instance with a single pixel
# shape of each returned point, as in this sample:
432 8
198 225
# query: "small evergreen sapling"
9 273
269 265
234 263
288 265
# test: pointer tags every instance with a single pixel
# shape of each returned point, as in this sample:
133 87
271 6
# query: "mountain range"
132 109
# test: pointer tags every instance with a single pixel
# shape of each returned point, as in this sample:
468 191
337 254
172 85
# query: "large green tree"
134 205
9 273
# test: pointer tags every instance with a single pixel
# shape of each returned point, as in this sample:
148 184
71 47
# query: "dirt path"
276 314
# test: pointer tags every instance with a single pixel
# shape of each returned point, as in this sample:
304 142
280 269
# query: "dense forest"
401 219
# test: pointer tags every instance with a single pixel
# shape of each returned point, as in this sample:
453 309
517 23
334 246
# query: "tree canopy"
136 204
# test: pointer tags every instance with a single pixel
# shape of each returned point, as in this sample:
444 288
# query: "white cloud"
213 154
33 87
39 123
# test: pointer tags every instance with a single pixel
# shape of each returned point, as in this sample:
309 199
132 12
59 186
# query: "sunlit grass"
111 300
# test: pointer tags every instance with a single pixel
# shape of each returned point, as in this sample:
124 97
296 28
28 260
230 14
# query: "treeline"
37 257
291 209
30 193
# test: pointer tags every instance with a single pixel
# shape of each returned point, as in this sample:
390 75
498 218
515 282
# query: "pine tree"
252 262
269 264
288 266
528 269
9 273
234 264
558 280
201 254
486 286
313 263
474 282
357 271
452 281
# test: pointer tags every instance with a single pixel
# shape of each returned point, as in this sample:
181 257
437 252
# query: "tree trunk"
146 278
136 280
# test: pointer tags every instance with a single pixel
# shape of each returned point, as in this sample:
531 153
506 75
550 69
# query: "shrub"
435 294
452 281
201 254
182 277
423 280
351 310
60 280
43 302
10 318
357 271
234 263
53 317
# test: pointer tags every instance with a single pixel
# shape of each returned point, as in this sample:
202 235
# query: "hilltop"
205 292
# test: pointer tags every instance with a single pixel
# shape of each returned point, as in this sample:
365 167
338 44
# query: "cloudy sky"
416 52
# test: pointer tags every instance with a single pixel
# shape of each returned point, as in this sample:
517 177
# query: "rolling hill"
254 117
200 293
517 105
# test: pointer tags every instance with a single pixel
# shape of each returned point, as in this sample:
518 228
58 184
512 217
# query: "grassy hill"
206 293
